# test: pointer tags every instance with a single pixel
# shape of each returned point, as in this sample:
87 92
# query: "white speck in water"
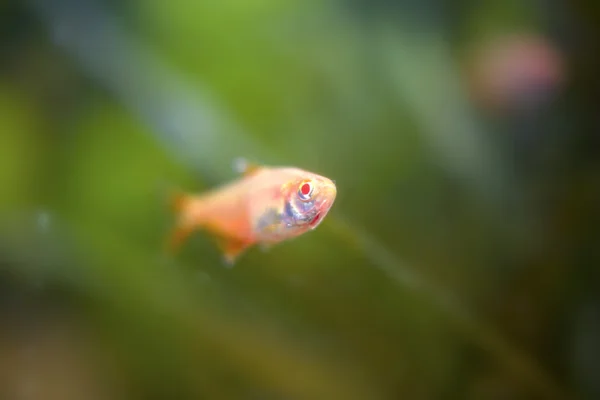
43 221
240 165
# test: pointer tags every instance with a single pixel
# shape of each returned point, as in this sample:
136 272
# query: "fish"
263 206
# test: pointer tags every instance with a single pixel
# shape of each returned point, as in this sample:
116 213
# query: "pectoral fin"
266 247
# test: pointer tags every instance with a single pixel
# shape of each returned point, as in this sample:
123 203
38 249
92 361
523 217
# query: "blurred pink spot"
516 71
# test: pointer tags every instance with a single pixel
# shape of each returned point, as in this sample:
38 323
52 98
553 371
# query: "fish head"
308 199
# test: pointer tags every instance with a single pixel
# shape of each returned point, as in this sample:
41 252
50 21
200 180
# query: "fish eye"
305 190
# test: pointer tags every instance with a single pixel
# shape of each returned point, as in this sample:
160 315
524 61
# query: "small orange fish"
264 206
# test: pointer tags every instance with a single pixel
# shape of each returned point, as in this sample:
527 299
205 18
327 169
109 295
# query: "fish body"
266 205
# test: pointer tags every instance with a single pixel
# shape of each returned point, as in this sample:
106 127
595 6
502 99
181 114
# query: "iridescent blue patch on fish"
268 219
300 212
289 212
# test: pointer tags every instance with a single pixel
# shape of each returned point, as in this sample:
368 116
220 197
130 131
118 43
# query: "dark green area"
460 260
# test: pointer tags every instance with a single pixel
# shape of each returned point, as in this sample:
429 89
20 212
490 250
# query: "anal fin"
231 249
265 247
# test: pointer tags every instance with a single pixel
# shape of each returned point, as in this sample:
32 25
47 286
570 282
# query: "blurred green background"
460 260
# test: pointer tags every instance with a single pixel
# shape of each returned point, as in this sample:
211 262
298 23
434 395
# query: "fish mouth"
315 221
324 207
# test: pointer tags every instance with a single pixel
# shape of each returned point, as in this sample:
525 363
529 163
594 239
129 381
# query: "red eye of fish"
305 190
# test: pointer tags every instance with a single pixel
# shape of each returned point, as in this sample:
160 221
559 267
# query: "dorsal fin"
245 167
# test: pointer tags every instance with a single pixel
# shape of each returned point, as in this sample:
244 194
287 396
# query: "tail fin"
179 203
191 214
